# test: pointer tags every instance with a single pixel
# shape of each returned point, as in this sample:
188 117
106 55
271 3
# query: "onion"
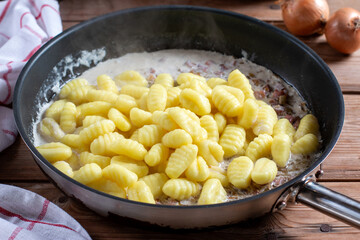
342 31
305 17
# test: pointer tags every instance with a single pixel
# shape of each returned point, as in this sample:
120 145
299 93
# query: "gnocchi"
166 140
239 172
212 192
180 160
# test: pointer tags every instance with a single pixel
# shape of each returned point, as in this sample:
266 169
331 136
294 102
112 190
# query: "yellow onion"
342 31
305 17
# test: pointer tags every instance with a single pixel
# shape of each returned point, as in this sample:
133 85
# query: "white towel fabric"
7 127
28 216
25 25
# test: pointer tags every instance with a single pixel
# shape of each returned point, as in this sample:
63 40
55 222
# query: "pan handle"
330 203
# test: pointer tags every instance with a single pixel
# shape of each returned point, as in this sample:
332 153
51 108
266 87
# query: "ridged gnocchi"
139 117
180 160
165 79
188 122
143 101
265 120
195 102
305 145
88 134
191 139
221 122
164 120
105 82
101 95
228 100
128 147
209 124
71 86
259 147
124 103
212 192
108 186
213 82
79 95
198 171
249 114
284 126
308 124
119 174
121 121
239 80
88 120
239 172
173 95
54 111
232 140
88 173
101 144
64 167
98 108
180 188
55 151
280 149
157 154
212 152
187 77
198 86
150 135
156 100
264 171
133 91
130 78
176 138
140 192
51 129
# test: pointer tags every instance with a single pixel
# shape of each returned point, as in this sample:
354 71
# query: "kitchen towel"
25 25
28 216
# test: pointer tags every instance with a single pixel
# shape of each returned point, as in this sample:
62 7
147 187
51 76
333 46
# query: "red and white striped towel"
26 215
25 25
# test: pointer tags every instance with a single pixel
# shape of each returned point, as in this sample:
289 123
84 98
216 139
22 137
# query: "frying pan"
188 27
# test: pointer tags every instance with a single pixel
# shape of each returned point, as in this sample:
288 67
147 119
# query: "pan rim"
261 23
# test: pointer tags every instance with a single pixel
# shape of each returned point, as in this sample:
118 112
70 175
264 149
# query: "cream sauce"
211 64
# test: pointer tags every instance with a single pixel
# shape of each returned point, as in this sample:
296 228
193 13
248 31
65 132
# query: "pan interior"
152 29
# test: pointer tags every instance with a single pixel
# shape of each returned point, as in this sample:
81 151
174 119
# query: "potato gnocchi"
165 139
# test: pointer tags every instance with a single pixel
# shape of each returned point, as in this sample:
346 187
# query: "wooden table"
341 168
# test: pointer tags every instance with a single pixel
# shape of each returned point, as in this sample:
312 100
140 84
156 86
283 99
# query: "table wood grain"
341 168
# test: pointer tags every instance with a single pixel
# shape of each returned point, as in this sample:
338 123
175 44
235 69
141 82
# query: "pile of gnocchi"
169 140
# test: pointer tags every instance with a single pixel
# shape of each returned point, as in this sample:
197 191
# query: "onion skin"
305 17
342 31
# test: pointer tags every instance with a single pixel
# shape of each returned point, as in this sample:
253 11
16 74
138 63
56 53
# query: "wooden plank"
83 10
16 163
69 24
343 162
296 221
265 10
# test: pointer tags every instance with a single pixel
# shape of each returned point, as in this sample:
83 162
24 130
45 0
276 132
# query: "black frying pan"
167 27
